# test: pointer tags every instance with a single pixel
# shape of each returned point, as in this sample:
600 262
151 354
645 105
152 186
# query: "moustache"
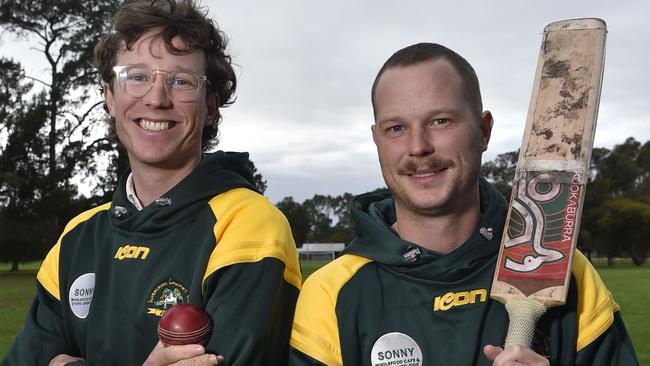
412 166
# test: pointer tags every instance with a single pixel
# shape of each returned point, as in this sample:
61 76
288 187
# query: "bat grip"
523 314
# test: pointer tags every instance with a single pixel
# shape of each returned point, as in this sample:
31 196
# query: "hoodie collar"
216 173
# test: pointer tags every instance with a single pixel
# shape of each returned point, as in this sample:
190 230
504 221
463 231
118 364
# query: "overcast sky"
305 70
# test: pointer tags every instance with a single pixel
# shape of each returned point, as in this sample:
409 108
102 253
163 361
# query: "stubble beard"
444 198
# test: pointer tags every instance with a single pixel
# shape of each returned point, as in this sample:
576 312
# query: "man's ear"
109 98
212 104
373 128
486 129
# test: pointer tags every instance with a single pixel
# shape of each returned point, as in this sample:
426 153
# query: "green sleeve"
613 347
251 305
297 358
43 335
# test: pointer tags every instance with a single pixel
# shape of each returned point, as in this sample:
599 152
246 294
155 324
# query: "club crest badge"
396 349
165 295
81 295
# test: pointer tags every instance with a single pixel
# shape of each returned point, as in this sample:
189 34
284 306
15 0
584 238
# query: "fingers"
203 360
514 356
491 352
162 355
63 359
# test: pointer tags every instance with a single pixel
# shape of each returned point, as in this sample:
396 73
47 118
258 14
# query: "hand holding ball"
184 324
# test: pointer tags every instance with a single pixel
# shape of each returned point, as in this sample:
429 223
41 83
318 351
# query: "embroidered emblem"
165 295
395 349
81 295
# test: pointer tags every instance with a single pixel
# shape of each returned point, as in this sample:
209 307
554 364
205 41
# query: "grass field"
630 286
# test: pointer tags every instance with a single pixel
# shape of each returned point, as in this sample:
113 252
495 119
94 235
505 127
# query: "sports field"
630 286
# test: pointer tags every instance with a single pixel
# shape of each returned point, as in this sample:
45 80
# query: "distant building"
330 250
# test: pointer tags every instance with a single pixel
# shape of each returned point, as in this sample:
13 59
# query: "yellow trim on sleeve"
596 306
248 229
48 274
315 329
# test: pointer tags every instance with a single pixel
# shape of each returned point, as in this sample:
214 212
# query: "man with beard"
412 287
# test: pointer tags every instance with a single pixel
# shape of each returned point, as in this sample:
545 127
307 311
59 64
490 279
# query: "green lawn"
18 289
308 267
630 286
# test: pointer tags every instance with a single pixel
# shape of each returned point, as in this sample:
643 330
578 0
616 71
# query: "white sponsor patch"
81 294
396 349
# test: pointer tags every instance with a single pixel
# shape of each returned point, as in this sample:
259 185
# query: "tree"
320 213
343 230
66 32
320 219
597 192
625 226
501 172
258 179
643 162
22 234
297 217
621 170
52 136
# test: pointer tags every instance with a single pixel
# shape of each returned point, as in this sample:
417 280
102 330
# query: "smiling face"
156 130
429 140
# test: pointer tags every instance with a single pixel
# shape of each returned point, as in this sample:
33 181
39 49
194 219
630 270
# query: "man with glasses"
183 226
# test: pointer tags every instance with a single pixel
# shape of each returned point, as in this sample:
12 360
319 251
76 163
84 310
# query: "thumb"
491 352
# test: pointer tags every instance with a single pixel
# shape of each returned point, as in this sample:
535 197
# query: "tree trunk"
638 260
14 266
610 261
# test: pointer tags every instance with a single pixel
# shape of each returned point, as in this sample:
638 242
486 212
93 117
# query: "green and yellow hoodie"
389 302
212 241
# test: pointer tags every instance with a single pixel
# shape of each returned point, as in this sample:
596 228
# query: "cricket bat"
534 263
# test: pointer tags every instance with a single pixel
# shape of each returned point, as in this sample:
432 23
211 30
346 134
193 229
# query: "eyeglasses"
138 80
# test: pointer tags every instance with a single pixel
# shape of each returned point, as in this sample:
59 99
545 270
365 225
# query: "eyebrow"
430 114
175 69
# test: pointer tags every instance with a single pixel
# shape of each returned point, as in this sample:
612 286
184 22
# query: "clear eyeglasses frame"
138 80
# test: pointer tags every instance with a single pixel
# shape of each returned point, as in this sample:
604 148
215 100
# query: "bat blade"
534 263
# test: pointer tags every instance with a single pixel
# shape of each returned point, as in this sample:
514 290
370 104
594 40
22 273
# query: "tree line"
320 219
55 137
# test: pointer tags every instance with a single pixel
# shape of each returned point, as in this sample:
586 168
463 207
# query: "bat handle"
524 314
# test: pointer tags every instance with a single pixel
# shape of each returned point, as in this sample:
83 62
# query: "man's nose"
420 143
158 95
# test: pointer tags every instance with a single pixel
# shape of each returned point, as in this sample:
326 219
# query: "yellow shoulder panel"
596 306
48 274
248 229
315 327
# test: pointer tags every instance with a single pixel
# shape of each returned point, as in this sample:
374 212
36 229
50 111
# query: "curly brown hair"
184 19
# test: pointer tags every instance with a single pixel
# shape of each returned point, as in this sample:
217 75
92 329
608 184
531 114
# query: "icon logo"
451 299
131 252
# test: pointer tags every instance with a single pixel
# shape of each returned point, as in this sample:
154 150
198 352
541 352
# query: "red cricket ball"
184 324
